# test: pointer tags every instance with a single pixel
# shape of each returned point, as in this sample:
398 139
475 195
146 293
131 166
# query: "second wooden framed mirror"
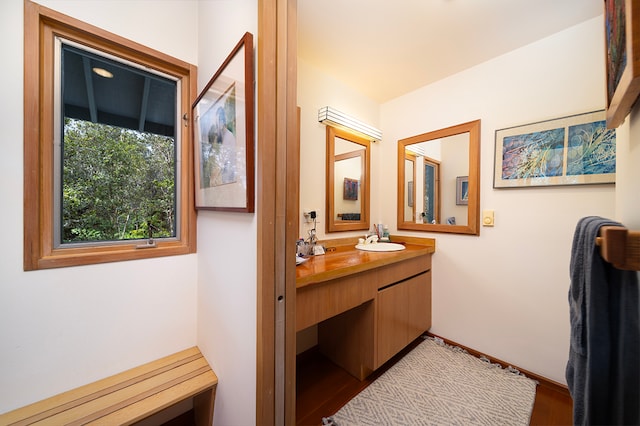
439 180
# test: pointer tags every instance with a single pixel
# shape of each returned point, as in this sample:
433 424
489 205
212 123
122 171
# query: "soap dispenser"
385 234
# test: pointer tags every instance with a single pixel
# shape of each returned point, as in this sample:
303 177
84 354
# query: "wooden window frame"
41 26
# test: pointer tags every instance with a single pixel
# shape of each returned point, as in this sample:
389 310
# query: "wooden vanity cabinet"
396 311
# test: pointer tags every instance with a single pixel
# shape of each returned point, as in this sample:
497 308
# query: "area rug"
438 384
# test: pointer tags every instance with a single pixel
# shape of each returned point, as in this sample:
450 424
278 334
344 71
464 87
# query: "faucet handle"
372 239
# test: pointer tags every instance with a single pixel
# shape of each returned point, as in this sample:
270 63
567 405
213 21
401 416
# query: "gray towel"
603 371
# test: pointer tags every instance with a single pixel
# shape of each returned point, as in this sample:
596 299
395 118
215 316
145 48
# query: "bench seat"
130 396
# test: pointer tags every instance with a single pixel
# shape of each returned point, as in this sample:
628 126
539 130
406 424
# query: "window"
108 152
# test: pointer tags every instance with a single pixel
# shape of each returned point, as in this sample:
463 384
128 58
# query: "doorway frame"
278 206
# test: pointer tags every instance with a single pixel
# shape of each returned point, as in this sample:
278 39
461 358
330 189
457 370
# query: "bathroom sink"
380 247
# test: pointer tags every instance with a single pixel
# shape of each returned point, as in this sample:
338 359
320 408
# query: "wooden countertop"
347 260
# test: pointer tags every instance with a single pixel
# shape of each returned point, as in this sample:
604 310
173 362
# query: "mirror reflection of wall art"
350 191
573 150
410 193
462 190
223 135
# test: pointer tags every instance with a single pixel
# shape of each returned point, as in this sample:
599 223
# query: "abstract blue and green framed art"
573 150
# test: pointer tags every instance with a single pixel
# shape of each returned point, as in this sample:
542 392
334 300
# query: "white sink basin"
380 247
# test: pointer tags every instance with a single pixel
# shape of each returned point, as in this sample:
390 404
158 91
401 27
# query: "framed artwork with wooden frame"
224 135
622 49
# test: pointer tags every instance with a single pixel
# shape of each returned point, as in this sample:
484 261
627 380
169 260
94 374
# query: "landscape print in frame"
223 135
573 150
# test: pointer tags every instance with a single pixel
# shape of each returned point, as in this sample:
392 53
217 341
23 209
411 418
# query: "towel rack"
620 247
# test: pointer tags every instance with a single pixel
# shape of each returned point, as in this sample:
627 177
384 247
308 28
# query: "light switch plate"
487 218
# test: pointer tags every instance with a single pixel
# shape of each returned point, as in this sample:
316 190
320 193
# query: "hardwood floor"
323 388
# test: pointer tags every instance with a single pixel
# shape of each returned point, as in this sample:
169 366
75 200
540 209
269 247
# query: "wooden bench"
130 396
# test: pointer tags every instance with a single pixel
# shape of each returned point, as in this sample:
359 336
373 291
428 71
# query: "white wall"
227 249
505 292
66 327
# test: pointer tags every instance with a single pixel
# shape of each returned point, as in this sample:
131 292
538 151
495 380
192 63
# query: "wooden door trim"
277 199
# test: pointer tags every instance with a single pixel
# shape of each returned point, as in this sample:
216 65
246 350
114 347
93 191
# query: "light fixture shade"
102 72
328 115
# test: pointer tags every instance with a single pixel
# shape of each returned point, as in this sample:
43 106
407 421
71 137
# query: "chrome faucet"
371 239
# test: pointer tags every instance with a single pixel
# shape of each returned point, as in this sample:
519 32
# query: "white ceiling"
386 48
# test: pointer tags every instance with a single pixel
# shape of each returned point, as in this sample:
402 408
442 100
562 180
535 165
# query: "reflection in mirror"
432 168
429 156
409 179
430 196
348 162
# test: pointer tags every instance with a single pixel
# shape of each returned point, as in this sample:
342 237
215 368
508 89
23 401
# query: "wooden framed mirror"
439 180
348 166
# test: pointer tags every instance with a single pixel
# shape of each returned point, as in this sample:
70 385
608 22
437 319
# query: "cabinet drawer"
322 301
401 271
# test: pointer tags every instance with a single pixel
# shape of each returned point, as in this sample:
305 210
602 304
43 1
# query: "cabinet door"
403 312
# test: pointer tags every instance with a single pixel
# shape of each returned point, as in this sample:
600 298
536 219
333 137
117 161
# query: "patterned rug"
438 384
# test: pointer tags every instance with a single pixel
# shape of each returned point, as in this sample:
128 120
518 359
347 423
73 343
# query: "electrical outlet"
310 214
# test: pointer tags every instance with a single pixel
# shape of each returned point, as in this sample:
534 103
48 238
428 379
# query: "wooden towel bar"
620 247
130 396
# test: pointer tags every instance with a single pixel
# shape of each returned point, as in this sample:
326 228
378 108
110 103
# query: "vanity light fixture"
333 117
416 149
